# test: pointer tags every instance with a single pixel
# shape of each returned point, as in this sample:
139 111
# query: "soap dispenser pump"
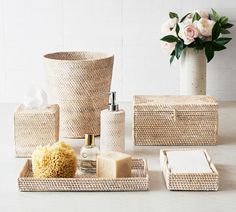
112 102
112 127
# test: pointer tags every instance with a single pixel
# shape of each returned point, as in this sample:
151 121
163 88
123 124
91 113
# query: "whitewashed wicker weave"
139 181
79 82
189 181
112 131
175 120
34 127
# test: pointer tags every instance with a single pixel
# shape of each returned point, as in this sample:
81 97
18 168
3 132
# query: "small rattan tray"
189 181
139 181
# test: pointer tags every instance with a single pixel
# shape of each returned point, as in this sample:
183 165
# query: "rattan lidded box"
34 127
175 120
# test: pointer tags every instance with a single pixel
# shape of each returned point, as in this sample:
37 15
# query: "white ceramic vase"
193 72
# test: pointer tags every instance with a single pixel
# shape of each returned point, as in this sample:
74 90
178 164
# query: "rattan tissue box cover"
34 127
189 181
175 120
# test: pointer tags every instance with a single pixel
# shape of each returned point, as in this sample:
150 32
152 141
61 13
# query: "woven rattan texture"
112 131
189 181
35 127
80 82
167 120
139 181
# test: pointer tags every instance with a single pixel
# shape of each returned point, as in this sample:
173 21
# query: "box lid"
170 103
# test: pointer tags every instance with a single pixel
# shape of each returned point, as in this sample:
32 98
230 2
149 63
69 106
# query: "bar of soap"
113 165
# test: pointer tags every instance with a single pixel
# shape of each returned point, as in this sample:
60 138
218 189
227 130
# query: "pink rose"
203 14
205 26
189 17
188 33
168 47
169 25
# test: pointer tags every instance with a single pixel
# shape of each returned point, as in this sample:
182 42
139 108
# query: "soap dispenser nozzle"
112 102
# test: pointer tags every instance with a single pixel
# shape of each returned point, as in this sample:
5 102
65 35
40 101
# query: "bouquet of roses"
198 30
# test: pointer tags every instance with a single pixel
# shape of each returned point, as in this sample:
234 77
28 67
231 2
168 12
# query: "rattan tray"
189 181
86 182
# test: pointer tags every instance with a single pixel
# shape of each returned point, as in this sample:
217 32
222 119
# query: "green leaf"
199 45
216 31
196 17
178 49
209 51
222 41
169 38
173 15
182 19
217 47
177 29
223 20
172 57
227 26
224 31
215 15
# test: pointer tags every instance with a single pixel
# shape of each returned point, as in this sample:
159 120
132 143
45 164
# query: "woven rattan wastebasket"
79 82
175 120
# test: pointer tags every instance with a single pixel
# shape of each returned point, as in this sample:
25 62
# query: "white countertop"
157 199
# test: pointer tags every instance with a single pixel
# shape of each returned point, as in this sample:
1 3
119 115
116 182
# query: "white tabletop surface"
158 199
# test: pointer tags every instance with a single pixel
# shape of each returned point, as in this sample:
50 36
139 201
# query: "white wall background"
128 28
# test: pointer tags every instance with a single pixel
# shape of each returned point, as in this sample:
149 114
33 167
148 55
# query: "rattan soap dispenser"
112 127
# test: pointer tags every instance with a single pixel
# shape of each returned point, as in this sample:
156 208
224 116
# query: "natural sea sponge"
57 160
